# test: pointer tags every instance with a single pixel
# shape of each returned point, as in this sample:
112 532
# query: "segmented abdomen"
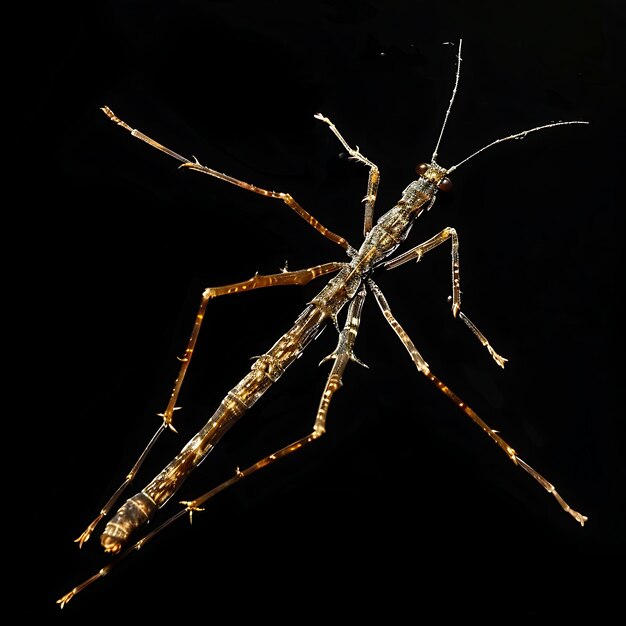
135 512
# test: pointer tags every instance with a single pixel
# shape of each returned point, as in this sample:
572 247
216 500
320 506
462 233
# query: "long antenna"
456 84
515 136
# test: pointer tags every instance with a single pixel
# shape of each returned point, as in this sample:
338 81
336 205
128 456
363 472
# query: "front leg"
372 181
419 251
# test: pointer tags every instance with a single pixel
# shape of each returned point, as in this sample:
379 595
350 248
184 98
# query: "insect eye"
445 184
421 168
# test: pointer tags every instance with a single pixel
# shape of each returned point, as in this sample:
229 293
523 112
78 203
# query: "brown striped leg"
198 167
299 277
422 366
372 181
341 356
285 197
418 252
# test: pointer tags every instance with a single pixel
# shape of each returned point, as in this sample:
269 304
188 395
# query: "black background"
405 507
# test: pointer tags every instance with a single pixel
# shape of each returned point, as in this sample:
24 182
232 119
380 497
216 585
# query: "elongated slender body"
381 241
349 287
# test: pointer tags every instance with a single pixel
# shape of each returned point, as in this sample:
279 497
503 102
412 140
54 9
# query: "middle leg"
418 252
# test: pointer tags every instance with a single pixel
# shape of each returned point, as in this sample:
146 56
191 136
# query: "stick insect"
348 288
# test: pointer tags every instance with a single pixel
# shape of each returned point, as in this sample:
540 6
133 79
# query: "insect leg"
372 181
298 277
419 251
198 167
424 369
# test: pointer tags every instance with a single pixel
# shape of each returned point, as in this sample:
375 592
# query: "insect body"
349 288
